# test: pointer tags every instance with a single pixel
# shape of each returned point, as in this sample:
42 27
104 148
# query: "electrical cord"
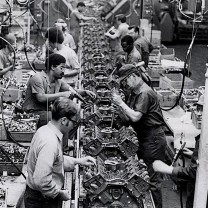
22 13
10 13
2 150
181 190
185 71
14 58
8 134
41 8
35 21
134 8
25 49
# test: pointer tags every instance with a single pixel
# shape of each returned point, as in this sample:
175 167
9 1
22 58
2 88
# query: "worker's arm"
181 173
70 162
113 36
42 97
9 66
161 167
71 72
5 70
74 64
133 115
38 90
82 17
66 87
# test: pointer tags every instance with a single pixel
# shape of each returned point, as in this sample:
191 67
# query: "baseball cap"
127 70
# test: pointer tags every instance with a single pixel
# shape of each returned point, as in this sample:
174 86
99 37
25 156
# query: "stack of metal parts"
119 179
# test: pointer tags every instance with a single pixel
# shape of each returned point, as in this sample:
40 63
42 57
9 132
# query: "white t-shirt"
69 41
71 61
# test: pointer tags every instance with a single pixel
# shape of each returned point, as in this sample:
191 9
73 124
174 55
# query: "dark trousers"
153 147
34 199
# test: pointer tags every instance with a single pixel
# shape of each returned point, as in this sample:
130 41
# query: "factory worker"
119 33
188 173
46 163
142 111
6 53
68 39
76 20
141 43
133 56
182 174
55 41
45 86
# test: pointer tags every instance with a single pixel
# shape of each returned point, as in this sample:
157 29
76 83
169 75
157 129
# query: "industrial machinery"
116 183
118 179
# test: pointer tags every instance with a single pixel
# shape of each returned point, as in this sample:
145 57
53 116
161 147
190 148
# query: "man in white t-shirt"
55 41
68 39
119 33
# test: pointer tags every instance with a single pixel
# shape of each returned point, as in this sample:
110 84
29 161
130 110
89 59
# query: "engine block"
116 183
109 142
119 179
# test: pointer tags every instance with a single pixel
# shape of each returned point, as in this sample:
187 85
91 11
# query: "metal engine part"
110 142
115 183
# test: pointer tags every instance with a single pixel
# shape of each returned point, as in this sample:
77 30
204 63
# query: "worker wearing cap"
142 111
6 59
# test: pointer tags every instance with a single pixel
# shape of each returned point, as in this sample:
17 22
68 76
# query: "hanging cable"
8 134
4 90
184 73
10 13
41 8
14 53
35 21
2 150
25 49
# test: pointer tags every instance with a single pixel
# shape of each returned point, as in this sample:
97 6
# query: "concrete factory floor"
171 196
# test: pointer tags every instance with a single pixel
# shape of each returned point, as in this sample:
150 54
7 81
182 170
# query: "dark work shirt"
144 100
40 84
189 174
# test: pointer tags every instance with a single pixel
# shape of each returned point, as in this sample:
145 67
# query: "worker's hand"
90 94
42 57
187 151
107 34
116 99
114 108
64 195
161 167
87 161
66 94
